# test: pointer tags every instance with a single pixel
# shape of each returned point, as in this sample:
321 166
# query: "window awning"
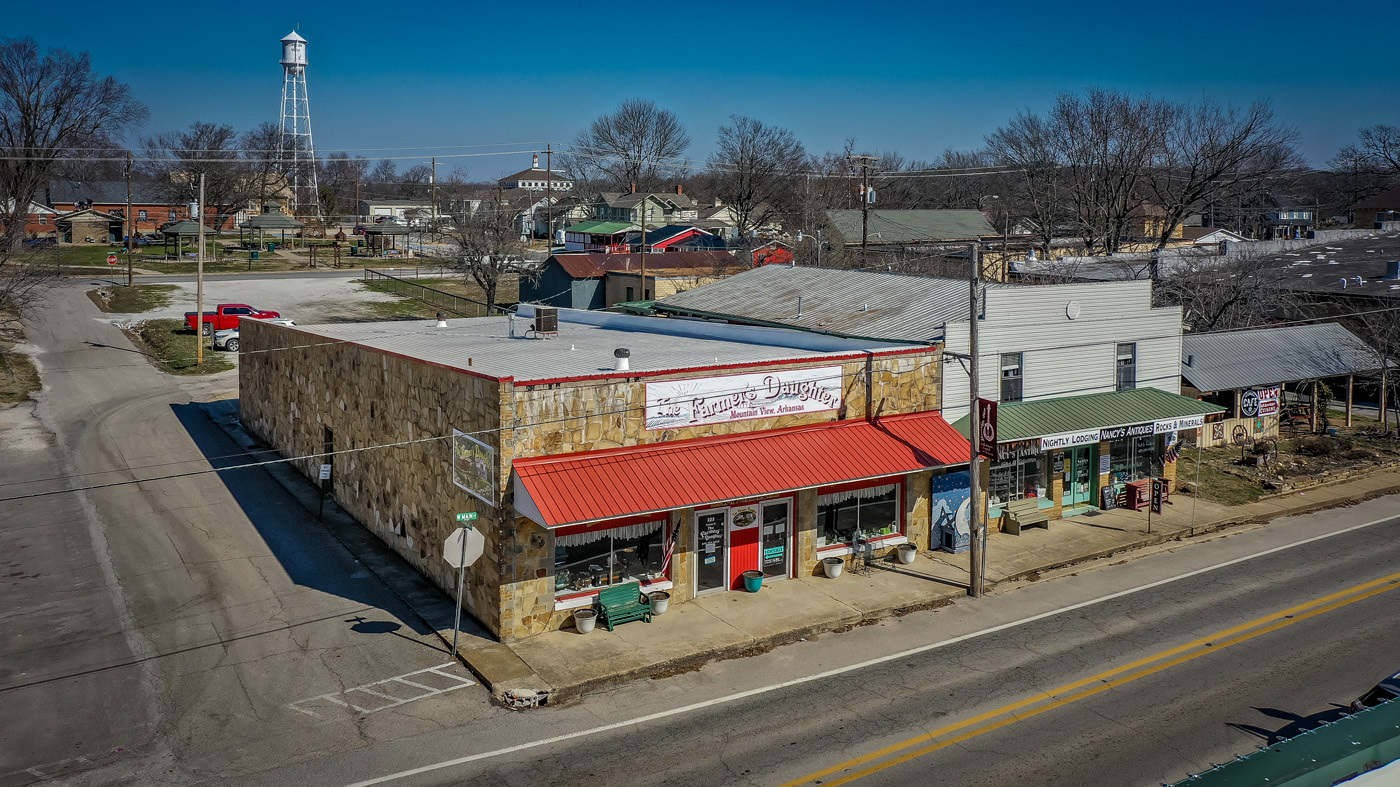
1075 420
595 485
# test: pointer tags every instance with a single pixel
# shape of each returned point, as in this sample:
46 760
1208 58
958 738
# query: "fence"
399 283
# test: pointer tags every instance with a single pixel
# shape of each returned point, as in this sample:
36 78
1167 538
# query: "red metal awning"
596 485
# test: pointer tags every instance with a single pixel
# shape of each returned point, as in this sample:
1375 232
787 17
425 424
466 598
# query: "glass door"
711 570
773 542
1080 475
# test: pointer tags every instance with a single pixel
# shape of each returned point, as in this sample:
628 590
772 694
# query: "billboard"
474 466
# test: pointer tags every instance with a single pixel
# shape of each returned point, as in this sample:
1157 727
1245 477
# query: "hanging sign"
742 397
1121 432
1069 439
987 428
1249 404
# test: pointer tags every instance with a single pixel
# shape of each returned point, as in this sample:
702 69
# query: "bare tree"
635 144
176 159
337 180
52 107
754 168
269 172
488 245
1217 293
1028 148
1212 152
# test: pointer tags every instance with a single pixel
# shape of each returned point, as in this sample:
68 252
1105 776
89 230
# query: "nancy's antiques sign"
742 397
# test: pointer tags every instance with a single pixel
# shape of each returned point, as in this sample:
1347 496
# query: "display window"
1016 478
870 512
1134 458
587 559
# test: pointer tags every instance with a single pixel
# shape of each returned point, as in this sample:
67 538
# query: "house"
1148 220
1377 211
536 179
1249 373
718 219
674 238
655 209
151 206
703 468
1210 236
90 226
598 236
599 281
1288 222
38 222
1086 376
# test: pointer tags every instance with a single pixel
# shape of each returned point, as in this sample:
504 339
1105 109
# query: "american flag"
670 549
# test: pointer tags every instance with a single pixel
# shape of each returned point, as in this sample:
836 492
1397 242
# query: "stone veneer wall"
405 495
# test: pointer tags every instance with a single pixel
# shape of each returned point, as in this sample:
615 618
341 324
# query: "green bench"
1023 513
622 604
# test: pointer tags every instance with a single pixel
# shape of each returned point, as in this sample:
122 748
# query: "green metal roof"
1026 420
601 227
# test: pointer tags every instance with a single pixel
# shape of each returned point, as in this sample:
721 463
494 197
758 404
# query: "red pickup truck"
226 316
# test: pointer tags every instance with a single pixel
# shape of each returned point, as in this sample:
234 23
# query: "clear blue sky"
910 77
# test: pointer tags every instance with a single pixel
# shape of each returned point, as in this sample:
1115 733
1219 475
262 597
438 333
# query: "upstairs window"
1011 377
1127 366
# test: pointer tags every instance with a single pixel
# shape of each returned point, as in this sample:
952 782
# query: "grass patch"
1216 485
507 292
170 346
133 300
19 377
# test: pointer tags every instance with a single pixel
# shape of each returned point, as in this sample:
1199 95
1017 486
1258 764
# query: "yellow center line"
1118 676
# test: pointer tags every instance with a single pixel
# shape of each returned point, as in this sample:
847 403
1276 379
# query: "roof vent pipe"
1189 359
799 307
622 354
442 319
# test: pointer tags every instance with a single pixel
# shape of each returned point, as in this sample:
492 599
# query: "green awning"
601 227
1077 417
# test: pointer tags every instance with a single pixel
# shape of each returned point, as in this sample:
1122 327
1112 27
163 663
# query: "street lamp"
818 239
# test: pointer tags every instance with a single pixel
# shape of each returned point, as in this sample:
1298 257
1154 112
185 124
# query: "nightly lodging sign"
742 397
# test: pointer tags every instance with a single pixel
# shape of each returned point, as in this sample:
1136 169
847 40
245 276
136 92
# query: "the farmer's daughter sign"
742 397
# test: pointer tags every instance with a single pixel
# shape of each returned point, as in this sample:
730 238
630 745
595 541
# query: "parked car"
1384 691
225 316
228 339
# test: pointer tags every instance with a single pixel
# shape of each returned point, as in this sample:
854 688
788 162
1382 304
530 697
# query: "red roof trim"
592 486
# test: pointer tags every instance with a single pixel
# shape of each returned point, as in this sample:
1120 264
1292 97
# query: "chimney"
535 161
622 354
634 188
679 189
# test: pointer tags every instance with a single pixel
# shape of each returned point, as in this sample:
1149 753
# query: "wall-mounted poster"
951 512
474 466
742 397
1269 400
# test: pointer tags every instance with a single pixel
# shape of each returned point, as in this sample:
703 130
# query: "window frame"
1019 378
666 528
1119 367
899 513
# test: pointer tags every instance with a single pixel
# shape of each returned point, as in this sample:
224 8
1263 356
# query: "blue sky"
916 78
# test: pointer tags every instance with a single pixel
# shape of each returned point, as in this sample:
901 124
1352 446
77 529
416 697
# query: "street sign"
987 428
325 473
463 547
111 259
467 517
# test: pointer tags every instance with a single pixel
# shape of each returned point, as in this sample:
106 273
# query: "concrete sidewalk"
562 665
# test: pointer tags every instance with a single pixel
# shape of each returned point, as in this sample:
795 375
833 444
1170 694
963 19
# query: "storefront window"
598 558
1135 457
874 511
1016 478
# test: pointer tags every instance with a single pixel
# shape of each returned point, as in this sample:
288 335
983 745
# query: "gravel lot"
307 300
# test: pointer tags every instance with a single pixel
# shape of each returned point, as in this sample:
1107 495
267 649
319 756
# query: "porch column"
1349 382
1313 421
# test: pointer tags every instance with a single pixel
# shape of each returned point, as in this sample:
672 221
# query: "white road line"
853 667
394 702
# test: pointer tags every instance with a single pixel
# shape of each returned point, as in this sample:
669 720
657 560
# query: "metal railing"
399 283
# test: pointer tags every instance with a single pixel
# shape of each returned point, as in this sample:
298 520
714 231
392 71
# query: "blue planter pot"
753 580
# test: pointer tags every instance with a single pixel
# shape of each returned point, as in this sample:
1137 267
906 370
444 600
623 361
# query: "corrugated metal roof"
601 227
1266 356
588 266
888 306
188 227
271 221
908 226
483 345
1025 420
597 485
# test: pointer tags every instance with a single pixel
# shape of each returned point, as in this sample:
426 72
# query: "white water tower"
295 150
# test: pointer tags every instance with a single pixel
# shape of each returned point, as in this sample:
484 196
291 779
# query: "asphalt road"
171 631
1101 686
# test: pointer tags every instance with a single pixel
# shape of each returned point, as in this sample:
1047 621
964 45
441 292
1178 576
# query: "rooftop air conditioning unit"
546 320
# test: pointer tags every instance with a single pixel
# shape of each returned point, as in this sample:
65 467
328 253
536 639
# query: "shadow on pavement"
308 553
1297 725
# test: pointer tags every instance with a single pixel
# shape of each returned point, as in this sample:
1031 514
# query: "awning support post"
1350 379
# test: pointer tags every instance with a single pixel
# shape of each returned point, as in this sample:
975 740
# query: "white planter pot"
584 620
832 566
660 600
906 553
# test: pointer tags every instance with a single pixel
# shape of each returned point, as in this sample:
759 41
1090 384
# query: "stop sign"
452 548
111 259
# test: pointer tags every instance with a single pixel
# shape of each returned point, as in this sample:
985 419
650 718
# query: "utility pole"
549 199
130 221
357 196
432 180
644 249
199 285
977 555
864 162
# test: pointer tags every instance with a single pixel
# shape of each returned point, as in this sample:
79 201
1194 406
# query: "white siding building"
1069 338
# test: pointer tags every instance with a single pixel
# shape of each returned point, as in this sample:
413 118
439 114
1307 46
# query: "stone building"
618 448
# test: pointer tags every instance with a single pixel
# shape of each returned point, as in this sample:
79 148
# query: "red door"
743 543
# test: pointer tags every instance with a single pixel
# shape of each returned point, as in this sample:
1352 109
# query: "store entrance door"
711 568
773 542
1080 478
743 543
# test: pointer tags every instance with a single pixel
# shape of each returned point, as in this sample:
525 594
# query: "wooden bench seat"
1023 513
622 604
